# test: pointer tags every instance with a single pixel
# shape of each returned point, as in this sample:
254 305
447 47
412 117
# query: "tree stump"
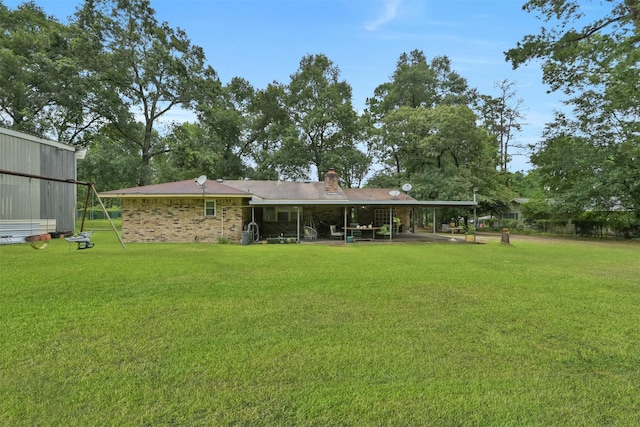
505 236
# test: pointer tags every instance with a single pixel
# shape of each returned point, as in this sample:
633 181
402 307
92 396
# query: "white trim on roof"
21 135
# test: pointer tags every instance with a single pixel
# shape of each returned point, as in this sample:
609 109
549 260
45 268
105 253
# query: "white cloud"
388 14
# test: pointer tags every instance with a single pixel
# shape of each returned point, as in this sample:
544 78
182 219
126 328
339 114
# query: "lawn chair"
334 233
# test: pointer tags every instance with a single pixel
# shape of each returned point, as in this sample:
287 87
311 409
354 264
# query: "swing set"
83 238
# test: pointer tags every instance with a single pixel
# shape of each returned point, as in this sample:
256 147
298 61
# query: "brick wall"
181 220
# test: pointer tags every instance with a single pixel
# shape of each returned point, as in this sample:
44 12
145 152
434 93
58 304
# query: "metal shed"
30 205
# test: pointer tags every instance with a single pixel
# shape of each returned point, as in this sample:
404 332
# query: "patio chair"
384 230
310 233
334 233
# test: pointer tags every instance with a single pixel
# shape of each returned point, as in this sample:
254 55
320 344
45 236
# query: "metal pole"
434 224
344 228
47 178
475 222
107 215
84 210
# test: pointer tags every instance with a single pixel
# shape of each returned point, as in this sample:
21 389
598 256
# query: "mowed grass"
359 334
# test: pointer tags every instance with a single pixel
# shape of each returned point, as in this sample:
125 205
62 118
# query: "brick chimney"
331 181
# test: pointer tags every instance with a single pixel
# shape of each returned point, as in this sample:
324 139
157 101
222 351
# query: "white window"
210 208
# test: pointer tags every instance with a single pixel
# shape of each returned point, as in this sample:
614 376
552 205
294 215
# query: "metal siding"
20 197
57 199
30 198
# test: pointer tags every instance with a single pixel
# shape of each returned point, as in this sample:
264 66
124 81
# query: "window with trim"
273 214
210 208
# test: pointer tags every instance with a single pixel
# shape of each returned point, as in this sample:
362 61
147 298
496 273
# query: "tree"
597 66
226 120
109 164
445 153
149 67
502 116
307 123
414 84
43 89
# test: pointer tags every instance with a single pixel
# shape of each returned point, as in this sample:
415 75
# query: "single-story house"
207 210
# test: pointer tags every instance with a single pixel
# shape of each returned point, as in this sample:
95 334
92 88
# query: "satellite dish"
406 187
201 180
394 193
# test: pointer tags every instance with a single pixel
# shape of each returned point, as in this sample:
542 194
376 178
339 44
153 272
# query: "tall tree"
43 89
415 83
303 125
445 153
502 116
226 119
597 66
150 67
418 83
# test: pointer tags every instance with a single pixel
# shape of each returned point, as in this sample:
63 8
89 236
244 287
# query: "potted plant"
396 224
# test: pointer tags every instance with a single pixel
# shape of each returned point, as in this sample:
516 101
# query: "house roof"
282 193
287 190
177 189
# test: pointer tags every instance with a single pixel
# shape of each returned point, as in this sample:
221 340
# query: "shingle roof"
374 194
287 190
288 193
179 188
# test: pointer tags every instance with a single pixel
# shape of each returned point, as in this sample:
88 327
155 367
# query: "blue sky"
264 41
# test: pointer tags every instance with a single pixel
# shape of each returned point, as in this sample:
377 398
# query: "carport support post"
475 221
390 222
433 225
344 228
298 219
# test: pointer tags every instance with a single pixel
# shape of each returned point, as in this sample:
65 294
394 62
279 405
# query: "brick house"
185 211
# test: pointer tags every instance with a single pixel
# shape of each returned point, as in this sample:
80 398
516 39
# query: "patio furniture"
354 230
310 233
334 233
384 230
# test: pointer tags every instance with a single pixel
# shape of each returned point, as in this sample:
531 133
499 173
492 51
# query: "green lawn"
360 334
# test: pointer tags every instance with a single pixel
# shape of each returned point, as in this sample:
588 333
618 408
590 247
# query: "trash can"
245 238
350 239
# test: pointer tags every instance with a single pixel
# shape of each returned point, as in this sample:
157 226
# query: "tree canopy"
589 158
